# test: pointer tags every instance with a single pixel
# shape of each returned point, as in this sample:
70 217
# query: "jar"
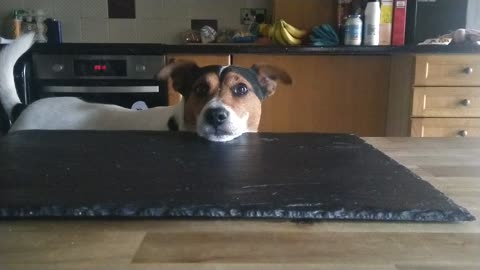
353 31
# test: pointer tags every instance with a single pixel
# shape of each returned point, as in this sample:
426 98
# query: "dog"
219 103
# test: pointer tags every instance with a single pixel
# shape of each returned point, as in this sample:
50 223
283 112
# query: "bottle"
28 25
54 31
344 8
372 24
17 23
353 31
41 29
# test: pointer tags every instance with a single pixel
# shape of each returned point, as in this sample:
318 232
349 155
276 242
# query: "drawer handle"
468 70
466 102
463 133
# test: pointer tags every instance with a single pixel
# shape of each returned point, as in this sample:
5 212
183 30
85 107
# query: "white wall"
473 14
157 21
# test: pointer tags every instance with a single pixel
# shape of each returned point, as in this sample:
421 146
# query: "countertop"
451 165
155 49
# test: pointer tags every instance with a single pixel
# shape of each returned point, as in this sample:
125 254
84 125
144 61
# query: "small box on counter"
386 22
399 22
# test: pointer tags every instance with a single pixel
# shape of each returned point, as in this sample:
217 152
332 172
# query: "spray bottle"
372 23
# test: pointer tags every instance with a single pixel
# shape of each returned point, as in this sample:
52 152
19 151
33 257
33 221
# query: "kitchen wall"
157 21
473 14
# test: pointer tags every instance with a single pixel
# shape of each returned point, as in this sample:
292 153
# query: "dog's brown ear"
181 73
269 75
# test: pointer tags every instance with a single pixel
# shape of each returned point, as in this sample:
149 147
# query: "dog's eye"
202 90
240 89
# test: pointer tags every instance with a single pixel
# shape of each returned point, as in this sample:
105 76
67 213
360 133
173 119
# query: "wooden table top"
451 165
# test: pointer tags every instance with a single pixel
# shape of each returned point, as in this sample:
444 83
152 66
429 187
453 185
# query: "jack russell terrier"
220 103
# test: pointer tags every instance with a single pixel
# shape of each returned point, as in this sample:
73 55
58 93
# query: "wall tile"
473 14
174 31
71 29
94 30
46 5
213 9
94 9
268 4
259 3
229 23
150 9
7 6
181 8
151 30
122 31
157 20
67 8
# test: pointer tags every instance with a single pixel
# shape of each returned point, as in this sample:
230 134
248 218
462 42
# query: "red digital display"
100 67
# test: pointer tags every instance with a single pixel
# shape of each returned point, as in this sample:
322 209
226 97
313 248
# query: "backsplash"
157 21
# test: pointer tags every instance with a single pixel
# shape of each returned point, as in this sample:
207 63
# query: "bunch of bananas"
282 33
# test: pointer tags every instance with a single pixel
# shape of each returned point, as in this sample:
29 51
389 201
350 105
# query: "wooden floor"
452 165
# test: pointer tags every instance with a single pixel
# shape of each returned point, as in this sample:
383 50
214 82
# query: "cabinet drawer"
445 127
446 102
447 70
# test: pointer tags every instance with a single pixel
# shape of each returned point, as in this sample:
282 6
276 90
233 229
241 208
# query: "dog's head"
223 102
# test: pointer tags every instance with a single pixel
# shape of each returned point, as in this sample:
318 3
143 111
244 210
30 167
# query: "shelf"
156 49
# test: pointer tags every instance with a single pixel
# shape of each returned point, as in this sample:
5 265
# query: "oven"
120 79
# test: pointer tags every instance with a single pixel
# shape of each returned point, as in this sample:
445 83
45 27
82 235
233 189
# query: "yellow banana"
287 37
264 29
295 32
277 35
271 32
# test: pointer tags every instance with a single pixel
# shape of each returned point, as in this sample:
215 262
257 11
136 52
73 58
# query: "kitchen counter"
145 49
451 165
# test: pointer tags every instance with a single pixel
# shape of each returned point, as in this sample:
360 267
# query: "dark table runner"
161 174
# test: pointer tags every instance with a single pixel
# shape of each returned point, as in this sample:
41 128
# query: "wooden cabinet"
447 70
434 96
446 102
335 94
446 127
201 60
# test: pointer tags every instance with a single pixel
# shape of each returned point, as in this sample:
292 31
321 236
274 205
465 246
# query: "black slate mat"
154 174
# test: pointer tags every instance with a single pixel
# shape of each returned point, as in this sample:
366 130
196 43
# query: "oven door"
133 95
124 80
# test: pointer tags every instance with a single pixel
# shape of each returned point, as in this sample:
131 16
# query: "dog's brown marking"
199 85
203 90
268 76
248 104
182 74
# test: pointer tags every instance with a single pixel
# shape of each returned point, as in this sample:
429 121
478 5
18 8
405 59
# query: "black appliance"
118 79
432 18
22 75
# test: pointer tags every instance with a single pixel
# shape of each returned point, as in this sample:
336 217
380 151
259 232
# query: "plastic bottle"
28 25
372 23
353 31
41 29
17 23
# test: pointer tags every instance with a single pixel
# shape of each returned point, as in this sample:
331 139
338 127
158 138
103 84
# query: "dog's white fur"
234 126
8 57
74 114
71 112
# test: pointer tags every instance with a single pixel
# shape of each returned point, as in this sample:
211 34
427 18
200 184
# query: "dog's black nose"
216 116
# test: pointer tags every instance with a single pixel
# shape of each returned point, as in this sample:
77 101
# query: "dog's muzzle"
217 122
216 116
